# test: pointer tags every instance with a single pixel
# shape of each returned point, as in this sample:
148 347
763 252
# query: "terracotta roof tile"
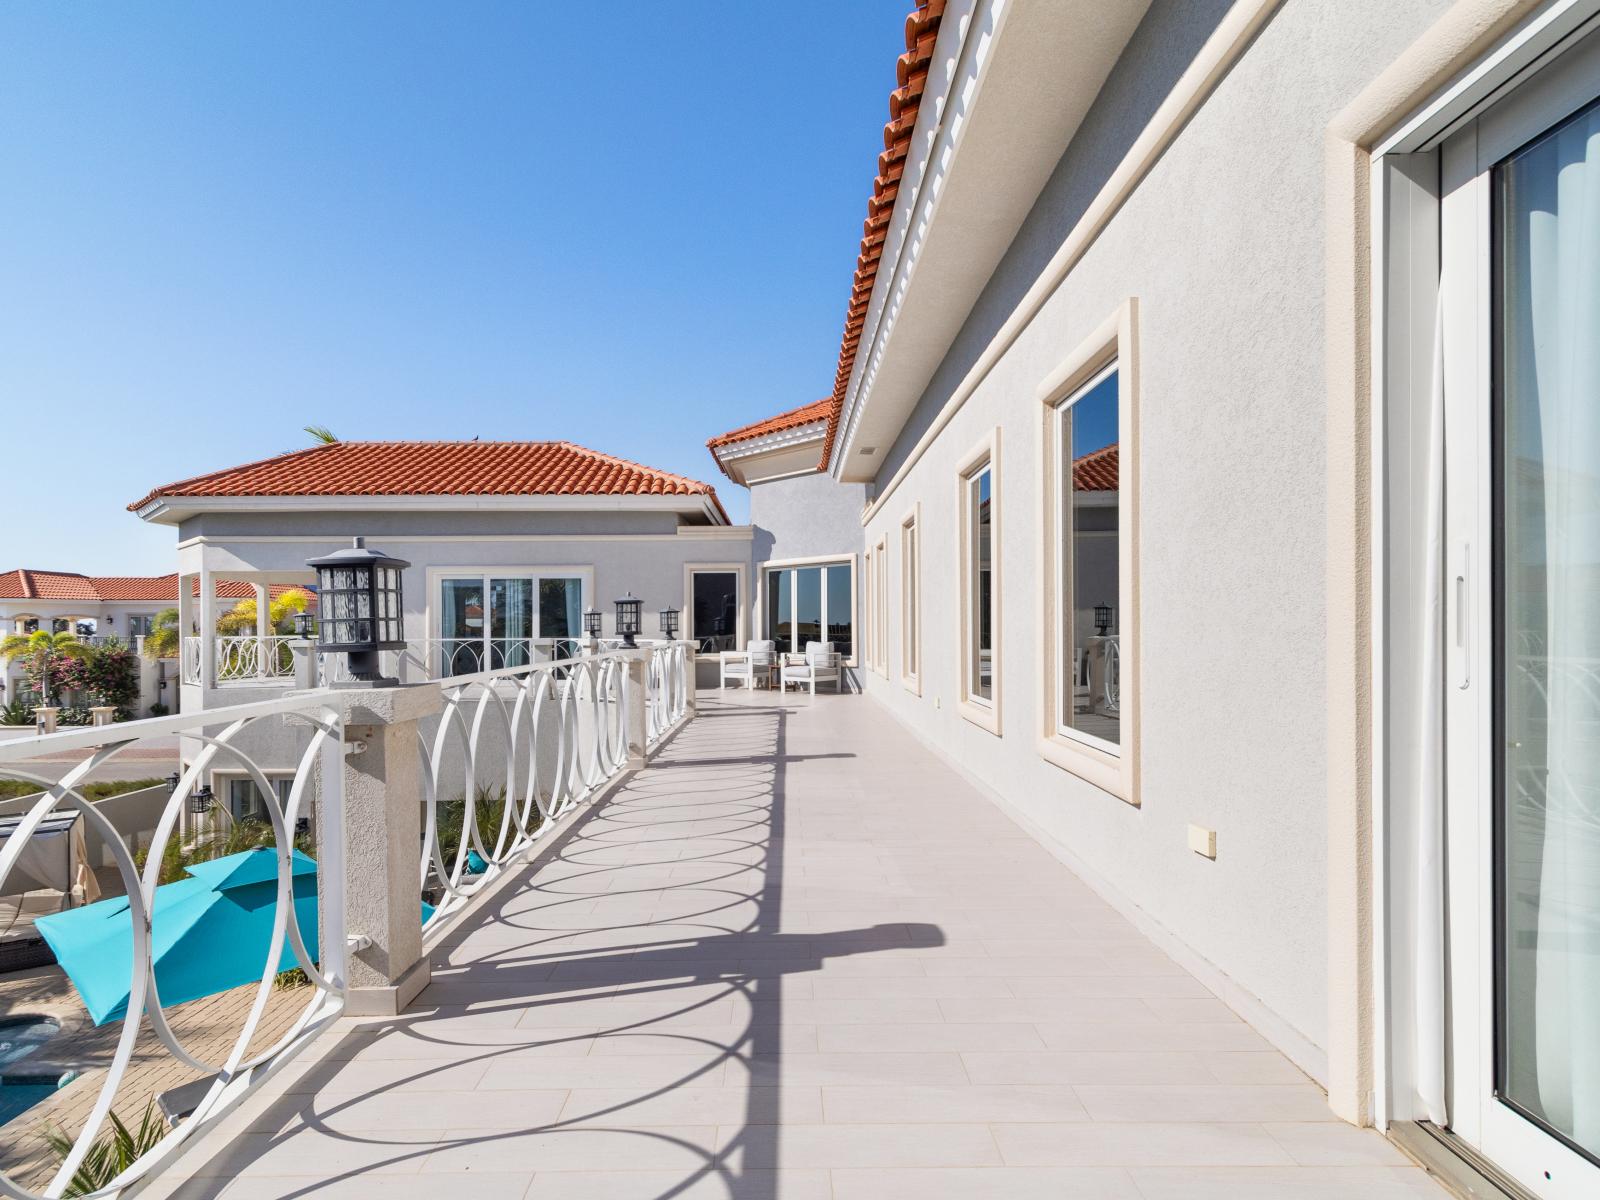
905 102
439 469
1096 471
817 410
25 584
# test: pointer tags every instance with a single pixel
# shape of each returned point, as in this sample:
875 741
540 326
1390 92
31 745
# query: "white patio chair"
821 663
749 665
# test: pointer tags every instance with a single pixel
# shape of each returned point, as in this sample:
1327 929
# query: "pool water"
20 1093
20 1036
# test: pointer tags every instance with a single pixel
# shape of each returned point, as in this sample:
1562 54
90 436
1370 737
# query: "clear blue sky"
627 224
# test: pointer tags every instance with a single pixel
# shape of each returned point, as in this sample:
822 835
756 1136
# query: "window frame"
742 625
856 563
880 610
1113 344
434 599
984 713
911 600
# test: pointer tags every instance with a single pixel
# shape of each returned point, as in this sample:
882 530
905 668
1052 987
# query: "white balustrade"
189 660
253 659
223 740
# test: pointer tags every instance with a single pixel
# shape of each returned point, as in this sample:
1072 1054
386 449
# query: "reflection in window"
1088 582
803 602
980 521
714 611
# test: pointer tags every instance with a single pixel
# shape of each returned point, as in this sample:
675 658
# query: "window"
714 610
1087 585
1089 613
508 620
245 802
880 609
979 506
910 605
805 601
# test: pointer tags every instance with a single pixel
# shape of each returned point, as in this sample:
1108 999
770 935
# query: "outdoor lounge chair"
749 665
821 663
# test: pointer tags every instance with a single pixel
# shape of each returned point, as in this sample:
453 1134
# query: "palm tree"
321 433
43 649
280 614
162 640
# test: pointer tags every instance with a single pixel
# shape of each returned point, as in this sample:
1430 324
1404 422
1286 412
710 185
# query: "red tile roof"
911 75
25 584
817 410
1096 471
439 469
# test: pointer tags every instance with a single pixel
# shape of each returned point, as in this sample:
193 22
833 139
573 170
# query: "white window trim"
435 575
1116 340
880 612
855 562
911 599
986 714
742 570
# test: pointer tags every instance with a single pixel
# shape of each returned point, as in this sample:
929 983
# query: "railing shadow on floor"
543 968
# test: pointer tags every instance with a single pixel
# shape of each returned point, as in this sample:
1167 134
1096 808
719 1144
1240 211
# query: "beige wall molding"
1116 340
1449 47
1222 49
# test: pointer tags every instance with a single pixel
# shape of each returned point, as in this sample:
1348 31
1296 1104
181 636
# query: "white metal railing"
253 659
666 688
222 739
434 659
514 751
189 660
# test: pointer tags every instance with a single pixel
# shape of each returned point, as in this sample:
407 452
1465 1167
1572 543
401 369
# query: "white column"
208 628
264 629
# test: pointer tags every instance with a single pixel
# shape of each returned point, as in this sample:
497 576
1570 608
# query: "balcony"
788 953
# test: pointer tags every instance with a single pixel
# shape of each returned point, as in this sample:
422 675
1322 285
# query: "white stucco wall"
1222 245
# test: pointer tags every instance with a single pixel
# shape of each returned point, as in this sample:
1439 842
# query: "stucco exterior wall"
1222 246
806 516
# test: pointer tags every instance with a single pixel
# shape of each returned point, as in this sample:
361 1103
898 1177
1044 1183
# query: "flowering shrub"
106 675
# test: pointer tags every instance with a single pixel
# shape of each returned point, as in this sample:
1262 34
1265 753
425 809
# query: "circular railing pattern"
232 1075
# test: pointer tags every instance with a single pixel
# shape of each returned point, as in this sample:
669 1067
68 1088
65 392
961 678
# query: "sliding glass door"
487 622
805 602
1521 331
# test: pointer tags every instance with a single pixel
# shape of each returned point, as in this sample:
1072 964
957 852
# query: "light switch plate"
1203 841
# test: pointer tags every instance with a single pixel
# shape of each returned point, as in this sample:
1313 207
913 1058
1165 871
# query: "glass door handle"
1460 613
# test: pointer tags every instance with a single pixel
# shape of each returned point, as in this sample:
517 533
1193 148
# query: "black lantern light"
669 624
1102 619
200 800
172 783
358 606
302 625
628 612
591 621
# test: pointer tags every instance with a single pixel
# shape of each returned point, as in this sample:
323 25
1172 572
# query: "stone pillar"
208 629
636 707
381 828
102 714
44 718
690 680
305 663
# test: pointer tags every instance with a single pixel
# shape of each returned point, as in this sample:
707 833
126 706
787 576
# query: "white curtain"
1552 468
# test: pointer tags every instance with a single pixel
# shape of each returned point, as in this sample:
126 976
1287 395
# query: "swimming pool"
21 1036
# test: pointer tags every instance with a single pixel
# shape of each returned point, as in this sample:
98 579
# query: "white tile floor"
776 968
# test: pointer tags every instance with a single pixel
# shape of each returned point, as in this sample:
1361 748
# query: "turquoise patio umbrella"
211 932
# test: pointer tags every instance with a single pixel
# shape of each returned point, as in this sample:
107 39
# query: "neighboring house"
509 543
94 607
1135 443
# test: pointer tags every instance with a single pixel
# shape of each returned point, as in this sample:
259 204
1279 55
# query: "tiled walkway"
798 958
